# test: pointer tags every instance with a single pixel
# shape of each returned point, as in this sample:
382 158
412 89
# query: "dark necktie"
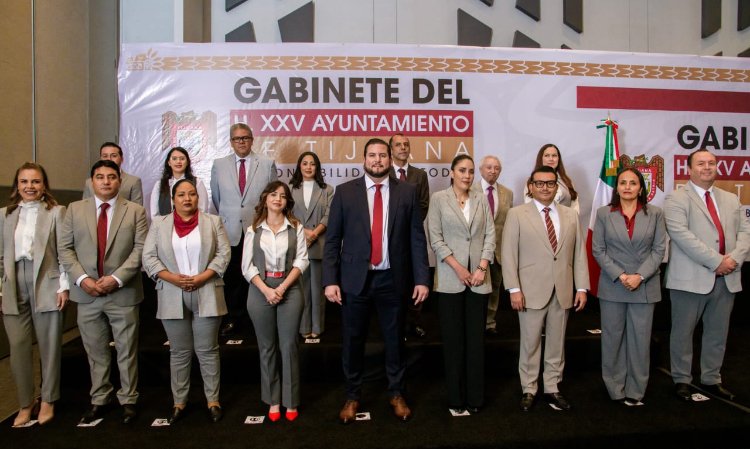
242 176
715 217
401 174
550 229
376 251
101 238
491 199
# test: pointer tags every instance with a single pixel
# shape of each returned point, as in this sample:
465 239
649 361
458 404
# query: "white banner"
448 100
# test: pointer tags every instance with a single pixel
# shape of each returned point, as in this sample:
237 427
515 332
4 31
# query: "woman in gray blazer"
462 234
312 201
186 253
35 289
629 242
273 260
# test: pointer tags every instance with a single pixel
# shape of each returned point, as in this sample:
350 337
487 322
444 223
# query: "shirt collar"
110 202
396 168
638 208
486 184
29 204
540 206
264 225
369 183
700 190
237 159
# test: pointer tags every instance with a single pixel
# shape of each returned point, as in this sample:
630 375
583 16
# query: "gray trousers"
626 347
314 311
553 320
496 278
714 309
21 329
94 322
193 333
276 328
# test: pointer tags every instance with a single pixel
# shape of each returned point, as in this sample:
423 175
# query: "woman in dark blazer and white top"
462 234
35 289
273 259
187 252
312 201
629 242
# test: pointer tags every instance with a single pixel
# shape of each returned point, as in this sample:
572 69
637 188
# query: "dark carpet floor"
594 421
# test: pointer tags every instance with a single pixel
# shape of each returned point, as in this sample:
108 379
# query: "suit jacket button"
554 258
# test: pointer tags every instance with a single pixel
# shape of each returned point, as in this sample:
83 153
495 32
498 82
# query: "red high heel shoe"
291 416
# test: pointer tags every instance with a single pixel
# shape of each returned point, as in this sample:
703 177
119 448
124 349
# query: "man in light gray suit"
237 181
500 200
543 263
100 247
709 240
131 187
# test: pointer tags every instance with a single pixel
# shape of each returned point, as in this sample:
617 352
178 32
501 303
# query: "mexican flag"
603 193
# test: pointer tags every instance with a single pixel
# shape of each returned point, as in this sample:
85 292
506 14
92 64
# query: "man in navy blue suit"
375 248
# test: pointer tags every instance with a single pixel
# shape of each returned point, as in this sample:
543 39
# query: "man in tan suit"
543 263
100 247
131 187
500 199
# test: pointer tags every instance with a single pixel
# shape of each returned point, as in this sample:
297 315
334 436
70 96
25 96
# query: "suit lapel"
532 213
252 162
167 228
91 218
42 231
316 193
117 217
453 206
393 199
204 228
475 199
564 223
9 234
360 207
699 202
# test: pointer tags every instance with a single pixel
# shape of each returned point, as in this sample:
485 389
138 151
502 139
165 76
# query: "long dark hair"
15 195
642 197
167 172
296 180
261 211
561 173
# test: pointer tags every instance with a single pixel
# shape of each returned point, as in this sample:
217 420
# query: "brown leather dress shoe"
348 412
400 409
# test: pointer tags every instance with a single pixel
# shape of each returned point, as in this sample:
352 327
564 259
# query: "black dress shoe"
491 331
129 413
228 329
177 414
527 401
216 413
418 331
93 413
557 400
683 391
719 391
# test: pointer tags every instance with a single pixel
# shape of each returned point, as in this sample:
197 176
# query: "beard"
377 173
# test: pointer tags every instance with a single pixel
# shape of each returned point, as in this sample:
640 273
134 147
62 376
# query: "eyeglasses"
242 139
540 184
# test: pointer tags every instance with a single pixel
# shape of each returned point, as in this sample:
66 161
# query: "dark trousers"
235 286
462 319
379 292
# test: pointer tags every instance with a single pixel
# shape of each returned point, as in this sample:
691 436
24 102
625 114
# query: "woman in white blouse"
187 252
176 167
549 155
312 201
35 289
273 259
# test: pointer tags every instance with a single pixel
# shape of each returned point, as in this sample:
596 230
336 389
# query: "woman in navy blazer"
629 242
34 287
312 201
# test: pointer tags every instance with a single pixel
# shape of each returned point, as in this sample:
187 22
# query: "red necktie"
550 229
401 174
242 176
101 238
491 200
376 251
715 217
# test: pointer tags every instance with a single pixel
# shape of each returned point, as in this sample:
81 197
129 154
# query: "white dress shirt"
110 213
307 190
274 246
187 251
385 262
553 215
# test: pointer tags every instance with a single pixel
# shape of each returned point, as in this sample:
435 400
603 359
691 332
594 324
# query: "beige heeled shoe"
24 414
46 412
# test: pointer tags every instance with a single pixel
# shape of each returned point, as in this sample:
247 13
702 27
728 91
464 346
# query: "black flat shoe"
129 412
177 414
216 413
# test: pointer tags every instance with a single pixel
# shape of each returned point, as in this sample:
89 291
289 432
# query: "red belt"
275 274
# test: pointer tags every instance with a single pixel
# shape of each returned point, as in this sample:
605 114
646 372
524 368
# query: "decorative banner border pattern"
151 61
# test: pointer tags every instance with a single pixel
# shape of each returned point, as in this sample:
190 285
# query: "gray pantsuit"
188 334
21 328
276 329
553 319
94 322
314 311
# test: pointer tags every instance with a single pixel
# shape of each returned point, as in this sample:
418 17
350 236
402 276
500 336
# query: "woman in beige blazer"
312 201
462 234
187 253
34 287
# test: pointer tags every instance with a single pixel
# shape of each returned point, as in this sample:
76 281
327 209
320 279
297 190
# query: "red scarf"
182 227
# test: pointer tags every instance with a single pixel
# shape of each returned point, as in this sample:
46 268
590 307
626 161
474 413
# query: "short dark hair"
110 144
237 126
390 141
699 150
542 169
376 141
105 163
